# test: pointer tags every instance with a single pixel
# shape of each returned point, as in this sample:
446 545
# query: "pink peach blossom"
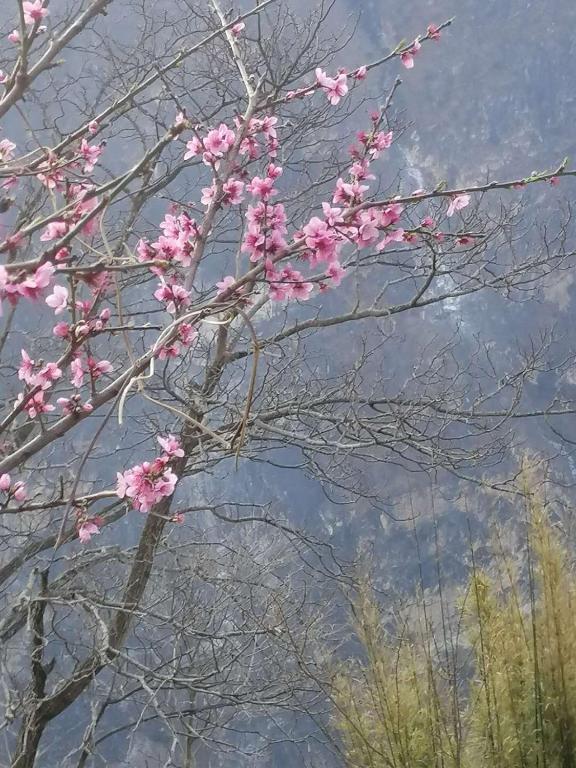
87 529
34 11
58 299
171 445
457 203
335 88
408 56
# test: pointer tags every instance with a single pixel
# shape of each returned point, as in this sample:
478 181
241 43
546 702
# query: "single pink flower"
335 272
48 375
171 445
332 215
208 194
4 482
391 214
61 330
394 236
433 32
35 405
62 254
193 148
187 334
14 36
380 142
58 299
232 192
7 148
167 351
98 368
224 284
90 155
88 529
457 203
26 369
238 28
349 193
263 188
77 370
54 231
274 171
34 11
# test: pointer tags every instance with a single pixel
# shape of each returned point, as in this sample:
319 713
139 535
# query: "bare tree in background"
230 278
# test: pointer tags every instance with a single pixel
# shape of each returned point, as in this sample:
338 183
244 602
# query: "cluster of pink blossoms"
217 143
174 248
186 336
148 483
51 171
40 377
87 325
341 224
35 375
31 284
323 238
79 367
264 239
175 244
81 202
267 128
407 57
16 491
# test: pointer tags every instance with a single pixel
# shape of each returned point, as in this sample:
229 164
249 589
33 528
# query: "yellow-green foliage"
504 697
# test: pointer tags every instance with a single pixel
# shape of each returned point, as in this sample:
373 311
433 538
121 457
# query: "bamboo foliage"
514 689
